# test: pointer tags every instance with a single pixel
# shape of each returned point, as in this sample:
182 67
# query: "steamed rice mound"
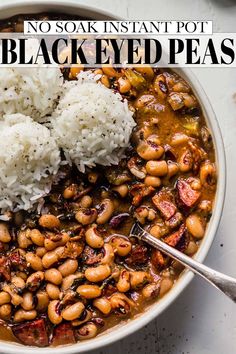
92 124
29 160
30 91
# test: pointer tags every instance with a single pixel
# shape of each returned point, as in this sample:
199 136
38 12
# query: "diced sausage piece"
137 256
187 195
178 239
178 100
90 256
175 220
158 259
16 259
32 333
163 201
139 191
5 272
63 334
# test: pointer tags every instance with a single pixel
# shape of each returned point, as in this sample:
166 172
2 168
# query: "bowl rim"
154 310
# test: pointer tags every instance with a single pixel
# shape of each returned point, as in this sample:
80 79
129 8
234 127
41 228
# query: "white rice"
29 160
92 124
30 91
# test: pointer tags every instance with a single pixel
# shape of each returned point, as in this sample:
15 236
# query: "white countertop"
201 321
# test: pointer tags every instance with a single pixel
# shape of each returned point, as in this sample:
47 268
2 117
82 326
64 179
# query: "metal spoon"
221 281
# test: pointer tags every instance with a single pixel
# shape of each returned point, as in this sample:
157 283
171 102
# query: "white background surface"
201 321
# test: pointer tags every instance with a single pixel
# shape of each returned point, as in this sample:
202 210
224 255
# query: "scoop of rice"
30 91
29 159
92 124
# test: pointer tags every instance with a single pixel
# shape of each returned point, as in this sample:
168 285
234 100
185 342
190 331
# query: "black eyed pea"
104 194
68 267
49 259
103 305
70 191
16 299
54 313
68 281
173 168
5 312
22 315
160 86
185 161
152 181
192 248
28 301
110 71
93 177
37 237
149 150
124 85
139 279
121 246
155 231
59 251
87 331
40 251
85 317
196 184
42 300
53 291
22 275
60 240
93 238
18 282
23 238
34 280
5 236
181 86
154 139
141 214
151 291
156 168
105 81
151 214
205 206
120 302
179 139
207 174
5 298
105 211
49 221
195 226
73 312
86 216
97 274
34 261
86 201
53 276
123 284
166 285
108 254
88 291
146 71
122 190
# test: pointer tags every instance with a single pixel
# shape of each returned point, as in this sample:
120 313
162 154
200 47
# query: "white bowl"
121 331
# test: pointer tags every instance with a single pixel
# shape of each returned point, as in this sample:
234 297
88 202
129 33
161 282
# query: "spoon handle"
221 281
